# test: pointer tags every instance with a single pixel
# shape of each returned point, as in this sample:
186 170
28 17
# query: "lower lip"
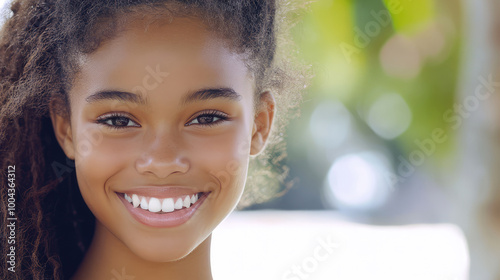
171 219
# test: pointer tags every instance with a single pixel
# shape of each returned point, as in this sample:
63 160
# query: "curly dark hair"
39 44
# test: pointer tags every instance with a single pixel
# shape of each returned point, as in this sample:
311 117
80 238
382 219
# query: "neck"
108 258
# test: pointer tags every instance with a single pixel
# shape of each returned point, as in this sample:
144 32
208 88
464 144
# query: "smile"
166 205
162 212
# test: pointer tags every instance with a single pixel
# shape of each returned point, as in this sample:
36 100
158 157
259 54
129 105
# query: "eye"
116 120
208 118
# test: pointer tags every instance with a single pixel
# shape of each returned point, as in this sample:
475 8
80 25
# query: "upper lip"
161 191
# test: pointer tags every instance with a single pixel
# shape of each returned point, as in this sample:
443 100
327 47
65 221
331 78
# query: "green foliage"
352 48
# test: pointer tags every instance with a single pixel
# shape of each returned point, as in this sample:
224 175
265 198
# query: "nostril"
161 167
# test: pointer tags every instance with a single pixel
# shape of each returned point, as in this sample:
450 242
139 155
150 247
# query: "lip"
171 219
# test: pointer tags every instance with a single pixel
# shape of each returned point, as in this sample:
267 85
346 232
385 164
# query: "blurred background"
397 129
391 154
385 78
381 141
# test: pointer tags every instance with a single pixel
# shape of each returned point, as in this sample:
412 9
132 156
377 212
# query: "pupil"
120 121
205 119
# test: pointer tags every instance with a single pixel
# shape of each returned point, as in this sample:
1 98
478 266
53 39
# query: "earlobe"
62 129
262 122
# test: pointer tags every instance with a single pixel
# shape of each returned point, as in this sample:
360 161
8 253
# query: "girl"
126 129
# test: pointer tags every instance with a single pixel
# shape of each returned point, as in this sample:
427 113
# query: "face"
158 115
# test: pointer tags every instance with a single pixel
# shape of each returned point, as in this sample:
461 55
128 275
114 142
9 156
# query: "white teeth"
144 204
193 198
178 203
187 202
135 200
154 205
167 205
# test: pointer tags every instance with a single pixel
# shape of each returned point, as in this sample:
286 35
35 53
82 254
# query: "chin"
162 256
167 250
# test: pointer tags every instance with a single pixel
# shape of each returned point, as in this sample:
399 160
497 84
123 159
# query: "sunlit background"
371 153
375 144
385 74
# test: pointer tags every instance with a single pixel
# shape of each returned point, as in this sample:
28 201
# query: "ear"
62 128
262 122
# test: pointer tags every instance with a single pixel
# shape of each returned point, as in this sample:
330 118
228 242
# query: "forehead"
183 48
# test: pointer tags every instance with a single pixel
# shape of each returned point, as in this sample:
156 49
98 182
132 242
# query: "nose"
162 156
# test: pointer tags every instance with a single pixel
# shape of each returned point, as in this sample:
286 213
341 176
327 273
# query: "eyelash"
209 113
113 116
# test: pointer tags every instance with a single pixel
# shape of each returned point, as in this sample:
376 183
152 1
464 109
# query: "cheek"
226 153
224 158
97 159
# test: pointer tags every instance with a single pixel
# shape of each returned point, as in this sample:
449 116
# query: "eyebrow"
116 95
199 95
210 93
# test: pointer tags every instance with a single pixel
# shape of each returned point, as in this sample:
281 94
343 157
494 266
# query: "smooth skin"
148 135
